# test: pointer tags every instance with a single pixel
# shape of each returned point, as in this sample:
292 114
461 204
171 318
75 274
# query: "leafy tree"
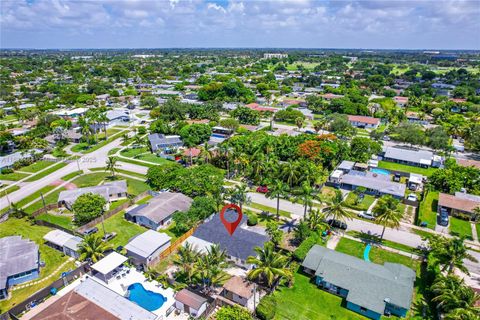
269 265
289 115
195 134
335 210
229 123
361 149
246 115
164 176
387 213
87 207
233 313
239 195
340 125
274 233
449 254
92 248
276 190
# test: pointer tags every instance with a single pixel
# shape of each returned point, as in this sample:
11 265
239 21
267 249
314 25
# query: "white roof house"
147 243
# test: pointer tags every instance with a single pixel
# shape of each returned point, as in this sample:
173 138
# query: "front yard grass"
125 229
477 226
428 210
406 168
60 220
37 166
305 301
387 243
364 204
34 196
267 208
46 172
14 176
53 258
91 179
459 227
7 190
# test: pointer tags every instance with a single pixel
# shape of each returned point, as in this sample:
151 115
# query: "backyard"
125 229
428 210
406 168
53 258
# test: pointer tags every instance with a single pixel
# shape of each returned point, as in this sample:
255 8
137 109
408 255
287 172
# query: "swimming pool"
380 171
218 135
146 299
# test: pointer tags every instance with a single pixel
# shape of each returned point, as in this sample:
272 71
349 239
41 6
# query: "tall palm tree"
206 152
306 195
450 254
103 119
454 297
111 165
335 209
290 172
269 265
210 267
387 213
315 220
125 138
239 194
185 260
277 189
299 122
92 247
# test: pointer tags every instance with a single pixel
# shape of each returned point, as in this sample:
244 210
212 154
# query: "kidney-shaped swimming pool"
146 299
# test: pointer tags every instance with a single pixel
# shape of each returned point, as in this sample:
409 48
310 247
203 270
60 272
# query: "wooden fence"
173 246
48 207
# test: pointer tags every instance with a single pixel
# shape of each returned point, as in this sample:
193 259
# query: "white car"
366 215
412 197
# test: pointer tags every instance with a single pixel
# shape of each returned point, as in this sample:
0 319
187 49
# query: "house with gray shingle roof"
19 262
369 289
111 191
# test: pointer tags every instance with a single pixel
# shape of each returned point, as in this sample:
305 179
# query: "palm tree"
387 213
315 220
450 254
92 248
276 190
210 267
185 260
335 210
125 138
319 124
102 118
239 194
299 122
206 152
290 172
454 297
269 265
306 195
111 165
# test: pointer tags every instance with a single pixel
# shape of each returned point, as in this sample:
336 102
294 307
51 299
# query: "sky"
386 24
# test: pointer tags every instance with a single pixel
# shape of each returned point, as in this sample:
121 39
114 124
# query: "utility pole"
103 224
43 200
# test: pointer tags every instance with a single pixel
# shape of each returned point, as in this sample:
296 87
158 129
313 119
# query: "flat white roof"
58 237
336 174
199 244
109 263
147 243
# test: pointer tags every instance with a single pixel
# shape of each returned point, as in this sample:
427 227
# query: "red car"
262 189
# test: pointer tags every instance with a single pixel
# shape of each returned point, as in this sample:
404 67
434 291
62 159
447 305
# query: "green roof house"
368 288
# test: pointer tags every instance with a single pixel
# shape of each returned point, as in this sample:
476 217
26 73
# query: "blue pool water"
366 253
218 135
380 171
146 299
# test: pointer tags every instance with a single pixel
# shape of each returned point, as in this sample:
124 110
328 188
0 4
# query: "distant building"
275 55
239 291
161 142
64 242
412 157
19 262
400 101
364 122
110 191
158 212
144 248
461 203
369 289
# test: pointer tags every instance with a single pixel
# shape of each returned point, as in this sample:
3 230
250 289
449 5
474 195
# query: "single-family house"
412 157
415 117
19 262
161 142
190 302
369 289
238 246
400 101
92 300
461 203
364 122
158 212
145 248
239 290
111 191
64 242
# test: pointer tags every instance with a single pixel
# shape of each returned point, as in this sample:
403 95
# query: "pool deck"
120 286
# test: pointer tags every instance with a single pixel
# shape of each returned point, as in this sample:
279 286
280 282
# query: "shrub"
252 219
301 252
267 308
7 170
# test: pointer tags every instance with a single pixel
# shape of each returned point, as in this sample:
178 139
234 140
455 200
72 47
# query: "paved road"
95 159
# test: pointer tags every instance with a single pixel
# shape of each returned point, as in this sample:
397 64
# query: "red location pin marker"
231 226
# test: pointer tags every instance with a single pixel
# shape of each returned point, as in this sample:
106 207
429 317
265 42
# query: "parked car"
386 138
109 236
90 231
366 215
412 197
262 189
337 224
443 219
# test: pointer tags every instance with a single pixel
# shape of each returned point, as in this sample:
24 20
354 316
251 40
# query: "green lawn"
148 165
91 179
60 220
477 226
133 152
72 175
377 255
7 190
387 243
49 199
422 233
15 176
459 227
304 301
153 158
135 187
406 168
37 166
125 230
52 257
46 172
131 173
327 193
113 151
267 208
362 205
34 196
85 148
428 209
